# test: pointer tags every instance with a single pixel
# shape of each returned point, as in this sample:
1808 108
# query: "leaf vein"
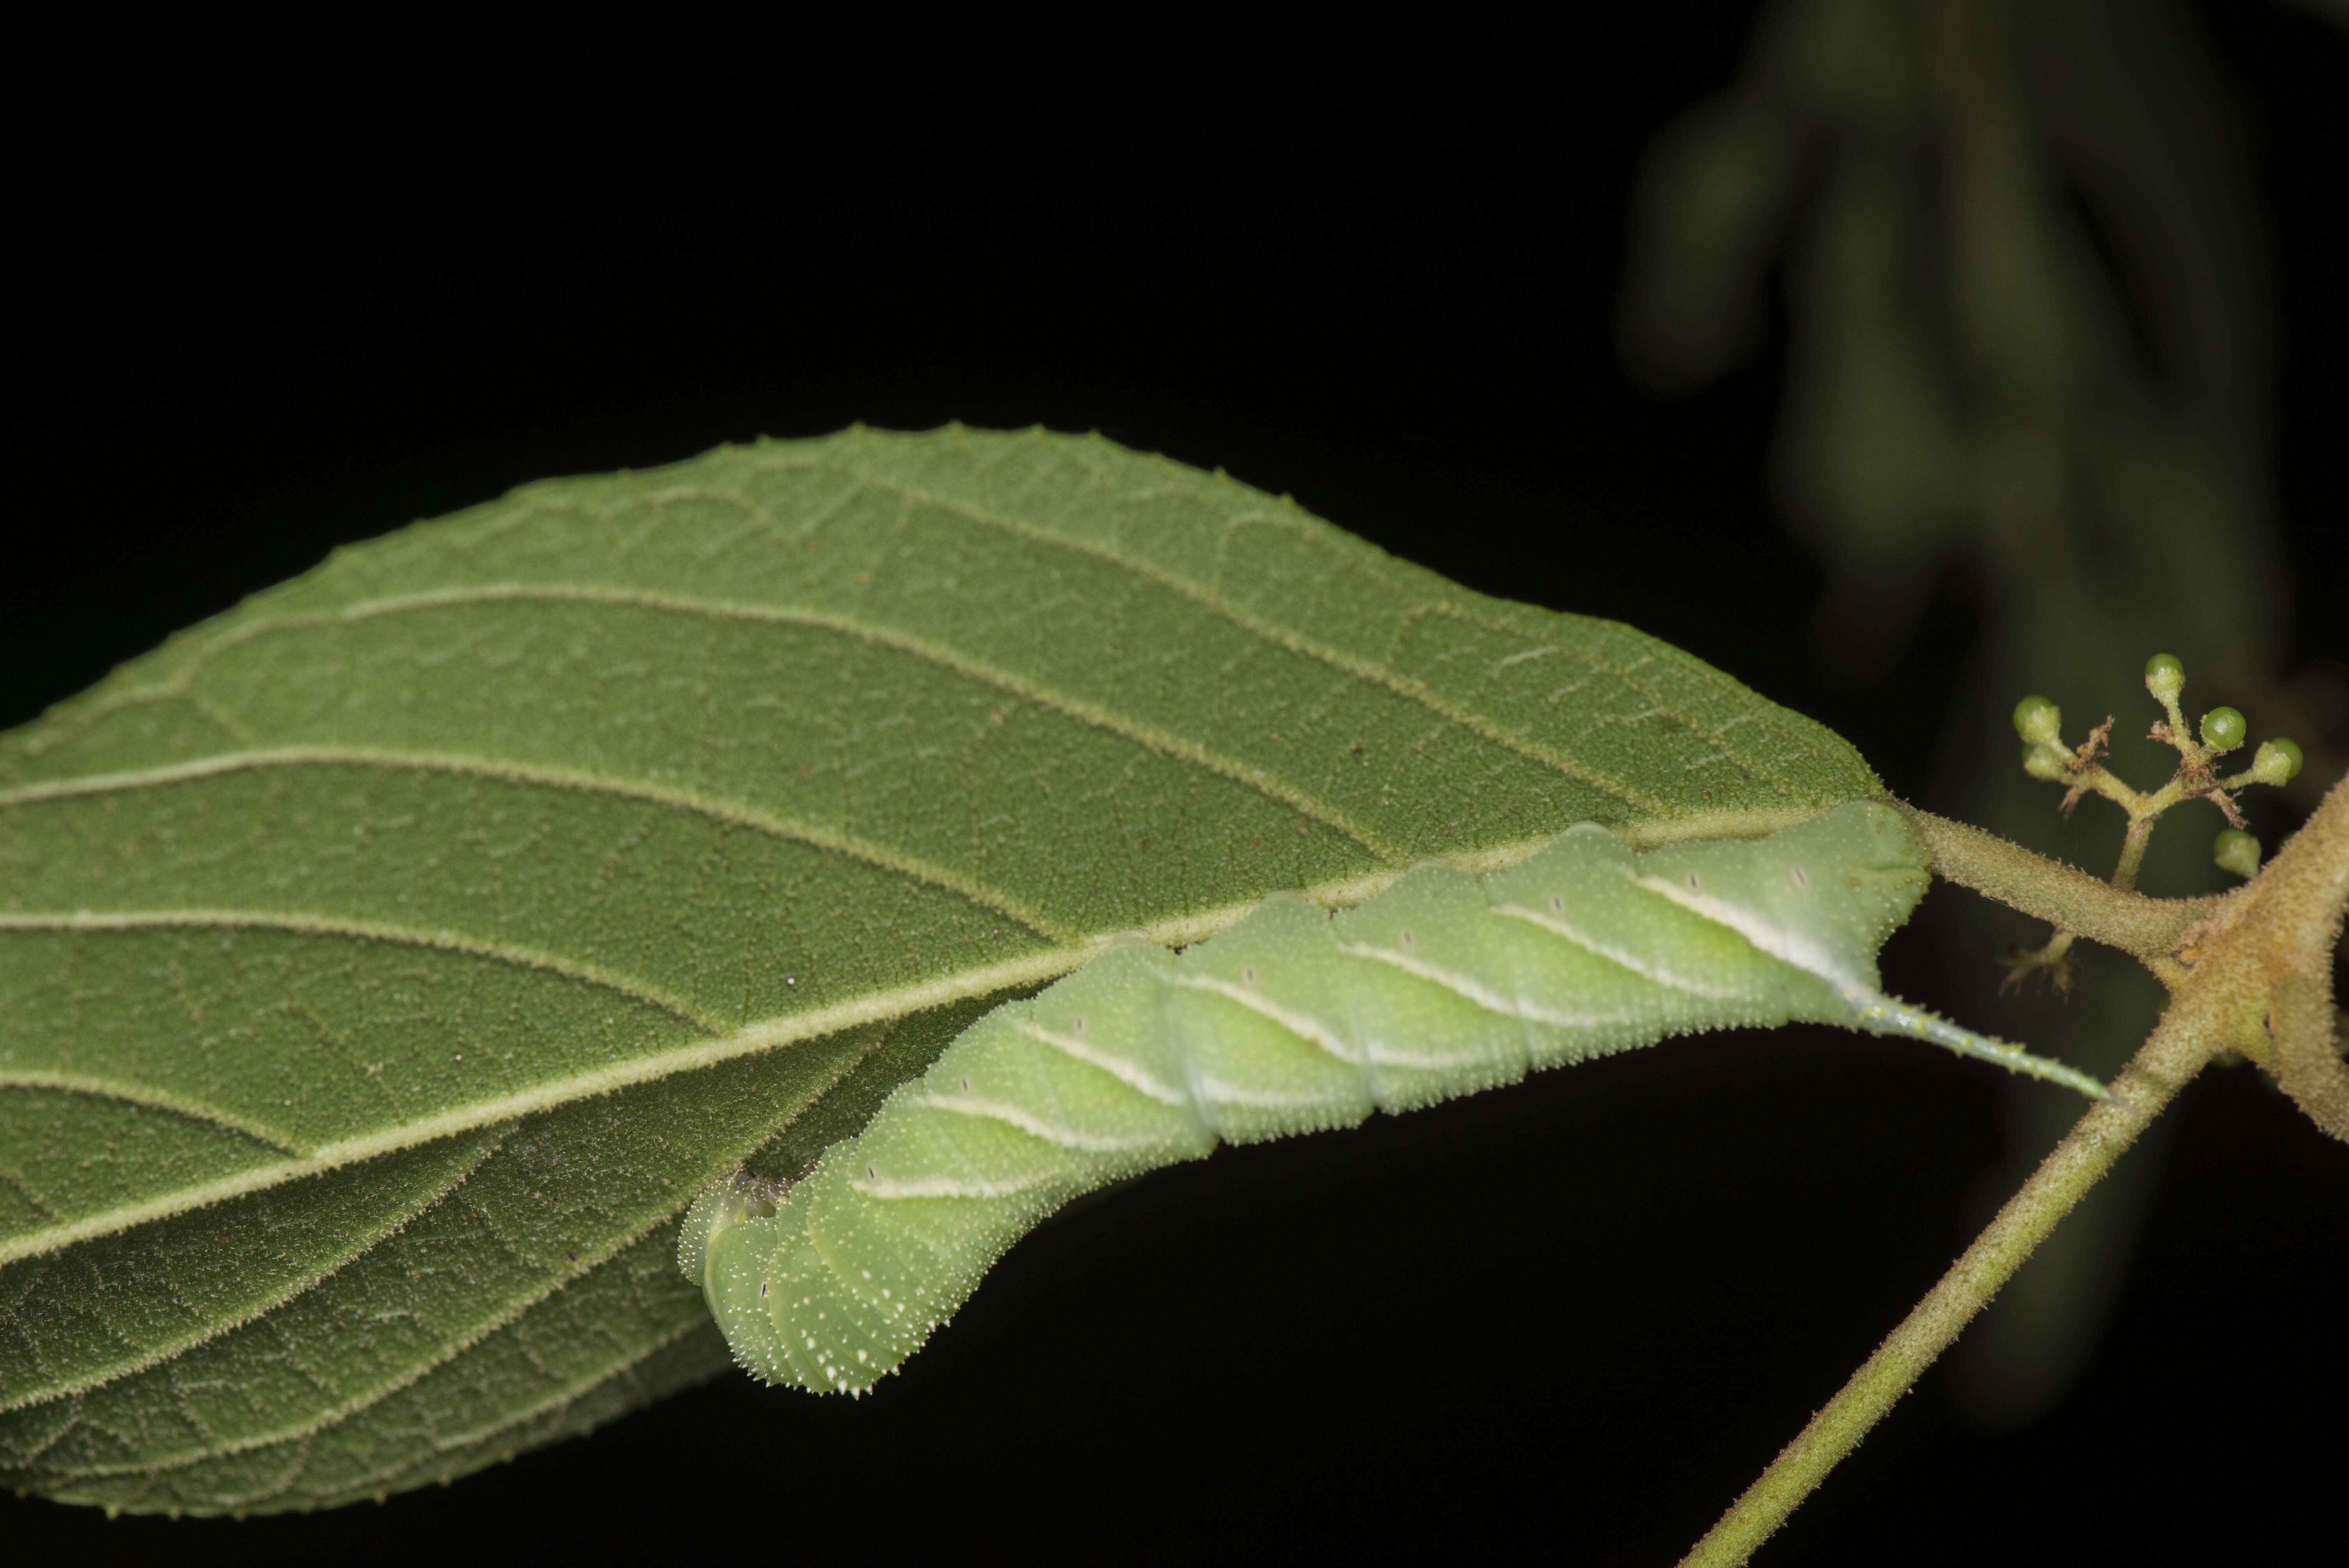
1091 714
153 1356
795 832
153 1098
1361 669
360 930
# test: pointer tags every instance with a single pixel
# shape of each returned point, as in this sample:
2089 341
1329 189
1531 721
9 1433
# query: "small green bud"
2165 678
2237 851
2223 729
2045 762
2038 720
2276 762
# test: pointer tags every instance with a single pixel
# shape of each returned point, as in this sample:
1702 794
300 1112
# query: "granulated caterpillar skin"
1297 1020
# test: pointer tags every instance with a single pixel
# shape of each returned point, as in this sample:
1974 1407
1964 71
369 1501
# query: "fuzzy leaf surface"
386 963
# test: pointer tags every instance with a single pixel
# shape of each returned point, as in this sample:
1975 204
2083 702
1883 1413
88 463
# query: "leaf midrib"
1074 947
878 1006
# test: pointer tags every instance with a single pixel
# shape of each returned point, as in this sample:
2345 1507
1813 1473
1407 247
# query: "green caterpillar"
1293 1021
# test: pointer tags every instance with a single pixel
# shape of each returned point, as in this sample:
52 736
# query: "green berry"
2039 721
2278 761
2045 762
2223 729
2237 851
2165 678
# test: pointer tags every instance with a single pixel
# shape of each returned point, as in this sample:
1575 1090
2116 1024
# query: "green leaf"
385 964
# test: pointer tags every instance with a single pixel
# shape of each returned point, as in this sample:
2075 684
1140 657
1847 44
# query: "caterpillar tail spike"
1297 1020
1883 1013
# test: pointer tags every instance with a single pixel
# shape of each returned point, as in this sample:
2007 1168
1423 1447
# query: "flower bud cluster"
2040 723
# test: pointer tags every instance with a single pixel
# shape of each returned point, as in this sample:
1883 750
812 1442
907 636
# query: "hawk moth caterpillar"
1297 1020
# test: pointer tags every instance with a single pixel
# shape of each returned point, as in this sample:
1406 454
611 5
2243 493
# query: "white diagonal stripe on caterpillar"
1483 996
1617 956
945 1187
839 1265
1803 952
1308 1029
1220 1091
1033 1126
1125 1071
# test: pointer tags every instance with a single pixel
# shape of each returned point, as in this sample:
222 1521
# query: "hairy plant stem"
2065 897
2174 1054
2269 966
2133 844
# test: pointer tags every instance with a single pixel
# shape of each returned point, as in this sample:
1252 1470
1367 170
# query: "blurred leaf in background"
2029 344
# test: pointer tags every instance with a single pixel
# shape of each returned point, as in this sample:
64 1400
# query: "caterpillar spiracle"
1297 1020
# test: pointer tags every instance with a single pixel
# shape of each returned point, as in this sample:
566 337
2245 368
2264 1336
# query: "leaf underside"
386 963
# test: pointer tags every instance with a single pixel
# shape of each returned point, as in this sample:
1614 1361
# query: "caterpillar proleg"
1297 1020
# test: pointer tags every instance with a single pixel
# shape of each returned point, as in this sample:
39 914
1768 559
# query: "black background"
1573 1319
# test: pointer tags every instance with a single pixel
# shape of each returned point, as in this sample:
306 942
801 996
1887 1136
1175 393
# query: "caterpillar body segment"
1296 1020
